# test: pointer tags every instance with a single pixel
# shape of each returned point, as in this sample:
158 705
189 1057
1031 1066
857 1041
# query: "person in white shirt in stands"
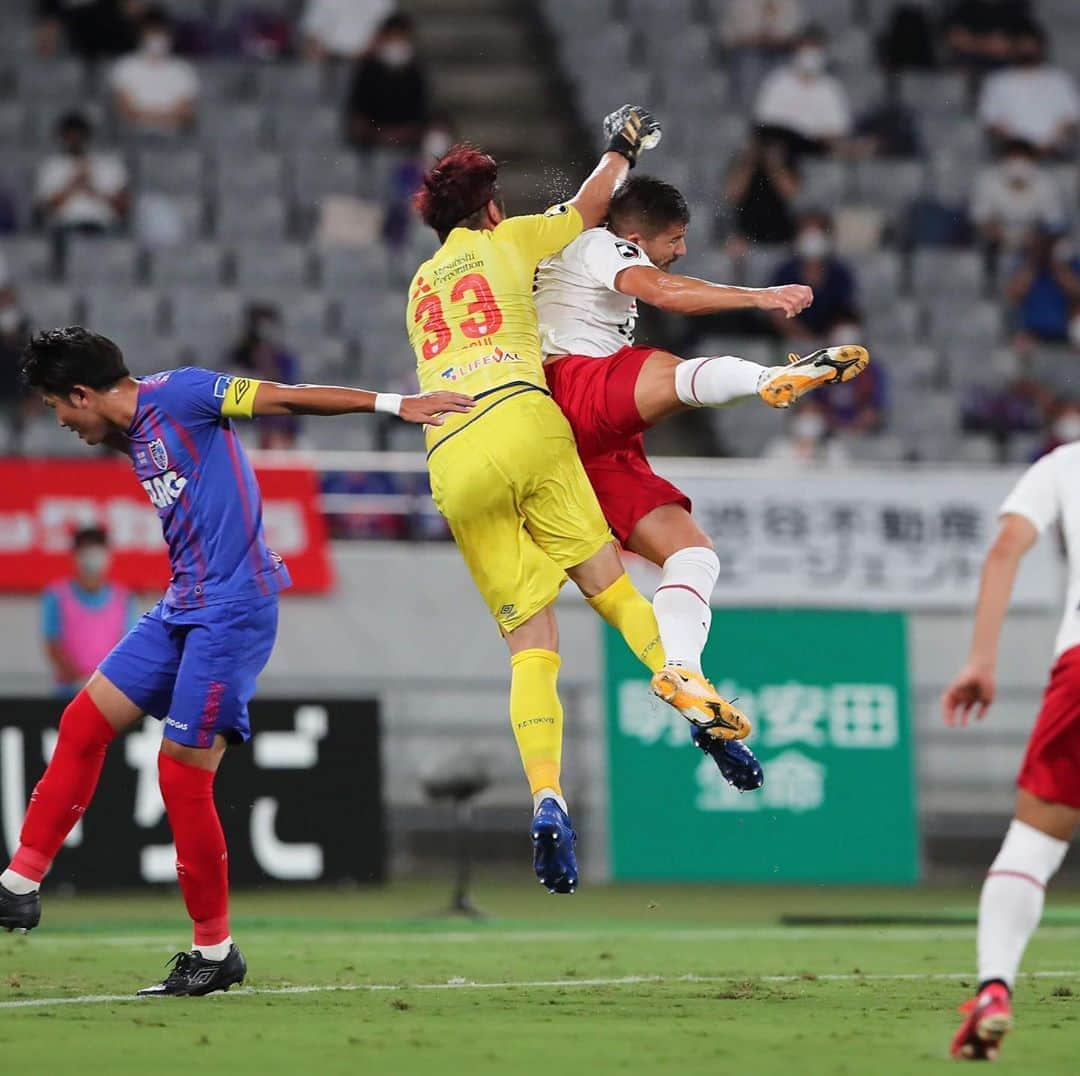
757 35
1033 101
342 29
1014 196
803 98
155 92
77 190
1048 793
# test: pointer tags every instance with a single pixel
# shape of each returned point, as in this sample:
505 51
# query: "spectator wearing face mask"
153 91
1044 288
388 103
85 615
1032 101
261 352
803 99
1014 196
78 190
1064 427
815 264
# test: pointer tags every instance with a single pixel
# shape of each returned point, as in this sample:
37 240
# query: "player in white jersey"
611 391
1048 793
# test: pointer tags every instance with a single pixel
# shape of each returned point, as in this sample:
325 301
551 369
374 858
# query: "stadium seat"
244 218
889 184
898 324
122 313
52 79
233 128
251 175
823 182
271 265
975 323
48 306
225 82
957 274
762 261
171 169
97 259
317 129
935 91
29 259
348 272
206 321
313 176
290 83
197 264
880 278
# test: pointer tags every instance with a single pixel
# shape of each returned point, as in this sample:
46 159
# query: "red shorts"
1051 767
597 397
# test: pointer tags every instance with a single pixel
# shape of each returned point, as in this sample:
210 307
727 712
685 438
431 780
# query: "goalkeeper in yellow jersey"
507 476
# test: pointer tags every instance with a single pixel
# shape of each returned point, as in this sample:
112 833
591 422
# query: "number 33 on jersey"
470 315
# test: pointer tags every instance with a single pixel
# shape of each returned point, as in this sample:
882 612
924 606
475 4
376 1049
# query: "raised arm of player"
629 130
973 687
689 295
271 398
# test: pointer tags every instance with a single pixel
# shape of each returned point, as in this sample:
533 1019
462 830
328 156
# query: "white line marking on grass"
533 984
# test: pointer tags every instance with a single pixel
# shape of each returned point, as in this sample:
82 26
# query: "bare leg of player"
667 384
1010 907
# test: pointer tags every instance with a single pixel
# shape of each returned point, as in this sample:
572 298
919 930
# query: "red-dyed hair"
459 184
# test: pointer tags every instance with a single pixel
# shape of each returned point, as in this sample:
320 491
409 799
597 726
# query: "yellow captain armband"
239 397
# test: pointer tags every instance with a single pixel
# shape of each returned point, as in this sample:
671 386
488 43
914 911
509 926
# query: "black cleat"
192 975
19 911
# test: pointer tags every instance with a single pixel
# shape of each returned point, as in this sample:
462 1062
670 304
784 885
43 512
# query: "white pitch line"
536 984
869 932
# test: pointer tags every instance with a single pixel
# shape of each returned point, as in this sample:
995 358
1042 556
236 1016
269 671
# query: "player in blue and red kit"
193 660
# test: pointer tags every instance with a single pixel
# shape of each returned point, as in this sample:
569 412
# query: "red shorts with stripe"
1051 767
597 397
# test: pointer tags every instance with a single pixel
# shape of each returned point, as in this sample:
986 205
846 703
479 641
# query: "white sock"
681 604
717 380
216 952
548 794
1011 902
14 882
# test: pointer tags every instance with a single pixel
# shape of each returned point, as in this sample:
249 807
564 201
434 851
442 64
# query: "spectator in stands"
77 190
388 103
907 41
856 406
982 34
155 92
802 98
757 35
887 129
14 402
1021 403
1044 287
814 263
1013 196
341 29
760 187
261 351
92 28
84 616
1063 428
1033 101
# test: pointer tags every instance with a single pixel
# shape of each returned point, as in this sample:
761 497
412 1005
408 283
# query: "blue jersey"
196 473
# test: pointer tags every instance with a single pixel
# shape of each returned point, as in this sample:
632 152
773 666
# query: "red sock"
66 787
202 861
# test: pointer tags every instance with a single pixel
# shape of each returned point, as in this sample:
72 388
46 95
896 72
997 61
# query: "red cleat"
989 1016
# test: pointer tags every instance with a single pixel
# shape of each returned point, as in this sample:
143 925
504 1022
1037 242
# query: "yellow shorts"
519 504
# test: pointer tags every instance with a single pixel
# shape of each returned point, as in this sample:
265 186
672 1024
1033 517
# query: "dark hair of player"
456 190
647 206
56 360
89 535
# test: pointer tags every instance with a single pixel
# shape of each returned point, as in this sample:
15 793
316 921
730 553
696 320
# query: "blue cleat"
733 759
553 848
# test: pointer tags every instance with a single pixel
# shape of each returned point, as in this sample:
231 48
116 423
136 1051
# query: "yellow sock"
536 716
627 610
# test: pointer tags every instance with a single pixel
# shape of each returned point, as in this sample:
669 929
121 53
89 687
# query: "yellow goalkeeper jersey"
470 316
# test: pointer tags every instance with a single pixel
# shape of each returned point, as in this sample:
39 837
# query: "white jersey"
1049 493
579 309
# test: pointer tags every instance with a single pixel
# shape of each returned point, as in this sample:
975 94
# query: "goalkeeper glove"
631 129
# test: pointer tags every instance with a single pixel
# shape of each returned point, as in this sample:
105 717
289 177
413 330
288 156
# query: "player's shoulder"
1064 458
604 242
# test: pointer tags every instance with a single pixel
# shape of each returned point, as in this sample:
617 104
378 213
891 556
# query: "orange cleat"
830 365
696 699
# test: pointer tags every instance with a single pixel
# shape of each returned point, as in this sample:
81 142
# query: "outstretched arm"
688 295
427 407
973 688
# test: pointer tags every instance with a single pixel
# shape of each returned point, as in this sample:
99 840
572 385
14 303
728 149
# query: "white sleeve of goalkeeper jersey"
601 255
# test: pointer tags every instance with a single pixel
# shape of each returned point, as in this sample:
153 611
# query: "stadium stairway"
500 90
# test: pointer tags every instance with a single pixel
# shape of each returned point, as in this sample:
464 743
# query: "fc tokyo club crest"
159 454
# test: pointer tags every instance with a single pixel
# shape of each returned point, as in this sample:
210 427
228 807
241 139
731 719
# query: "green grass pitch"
631 979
